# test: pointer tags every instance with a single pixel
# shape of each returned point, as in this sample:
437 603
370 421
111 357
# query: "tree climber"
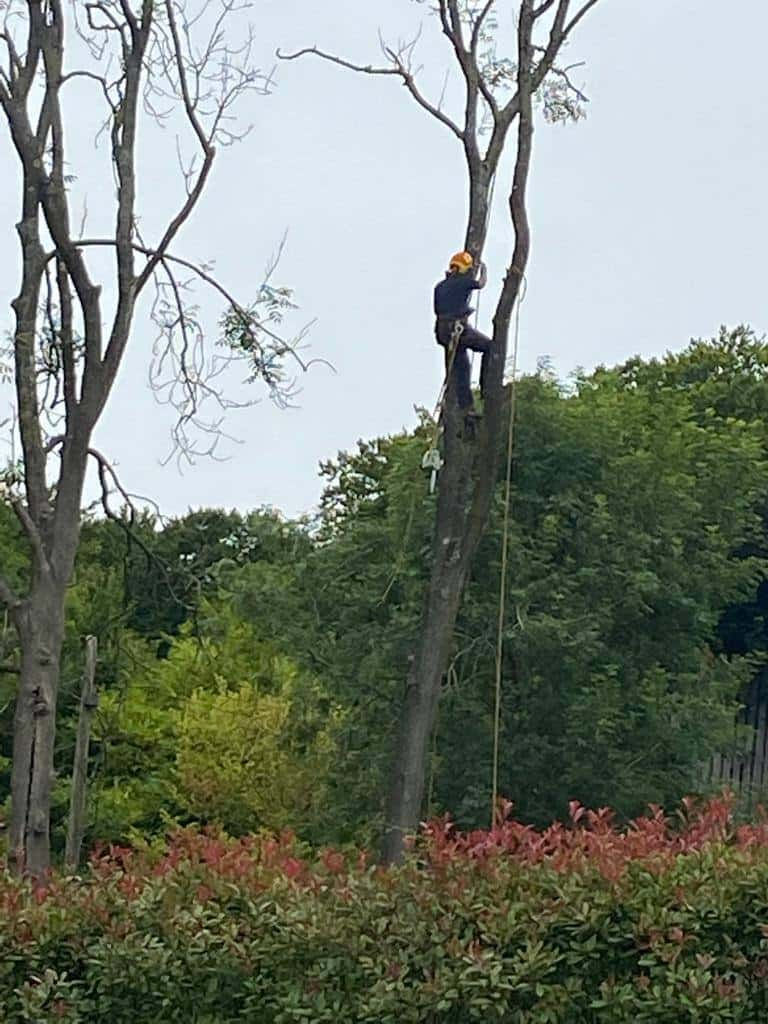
452 311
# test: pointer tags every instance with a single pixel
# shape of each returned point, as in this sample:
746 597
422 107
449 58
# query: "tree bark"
40 623
429 663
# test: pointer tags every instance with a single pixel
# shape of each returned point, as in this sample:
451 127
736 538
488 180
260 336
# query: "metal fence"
745 768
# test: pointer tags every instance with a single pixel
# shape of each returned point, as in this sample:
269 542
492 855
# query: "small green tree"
250 760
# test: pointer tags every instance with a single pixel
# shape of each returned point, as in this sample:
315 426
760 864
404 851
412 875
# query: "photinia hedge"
661 921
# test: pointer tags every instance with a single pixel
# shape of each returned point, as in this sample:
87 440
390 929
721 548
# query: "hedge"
662 921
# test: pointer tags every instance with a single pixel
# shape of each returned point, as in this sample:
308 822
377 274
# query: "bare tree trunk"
77 802
423 687
468 478
66 356
430 659
40 623
464 498
466 489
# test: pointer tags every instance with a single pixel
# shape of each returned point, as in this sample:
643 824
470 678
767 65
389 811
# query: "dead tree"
143 60
499 97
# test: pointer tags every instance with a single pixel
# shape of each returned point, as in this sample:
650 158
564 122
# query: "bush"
254 760
660 922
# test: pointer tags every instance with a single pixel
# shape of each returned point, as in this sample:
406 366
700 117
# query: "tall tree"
144 60
499 95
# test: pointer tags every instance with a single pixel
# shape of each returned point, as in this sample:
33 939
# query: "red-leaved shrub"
664 920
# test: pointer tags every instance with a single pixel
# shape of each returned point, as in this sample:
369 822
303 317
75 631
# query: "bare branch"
557 36
33 534
442 9
66 338
456 34
187 74
91 76
108 479
209 279
106 474
478 26
110 24
189 103
488 96
130 17
193 195
399 69
124 124
367 69
578 16
14 63
564 73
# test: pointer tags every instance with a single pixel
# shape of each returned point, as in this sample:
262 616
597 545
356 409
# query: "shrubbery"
655 923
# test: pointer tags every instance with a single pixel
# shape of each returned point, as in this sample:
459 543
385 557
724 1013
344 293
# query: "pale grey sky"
649 222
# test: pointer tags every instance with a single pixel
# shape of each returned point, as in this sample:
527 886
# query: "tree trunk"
467 484
431 657
40 623
452 552
453 549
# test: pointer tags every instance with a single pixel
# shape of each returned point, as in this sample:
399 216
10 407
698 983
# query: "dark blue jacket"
452 295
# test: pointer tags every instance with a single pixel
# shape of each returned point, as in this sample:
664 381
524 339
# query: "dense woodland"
251 667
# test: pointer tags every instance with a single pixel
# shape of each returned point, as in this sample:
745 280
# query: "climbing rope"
505 557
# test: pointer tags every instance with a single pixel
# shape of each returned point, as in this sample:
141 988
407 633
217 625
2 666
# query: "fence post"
88 702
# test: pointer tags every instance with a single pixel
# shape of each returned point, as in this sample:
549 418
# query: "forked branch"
399 68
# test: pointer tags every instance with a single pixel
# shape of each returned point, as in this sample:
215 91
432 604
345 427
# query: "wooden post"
88 702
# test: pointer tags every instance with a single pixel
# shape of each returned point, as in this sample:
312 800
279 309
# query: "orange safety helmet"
461 261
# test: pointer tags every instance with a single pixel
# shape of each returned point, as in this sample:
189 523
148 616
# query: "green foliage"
251 759
629 516
347 608
637 525
656 925
223 730
637 609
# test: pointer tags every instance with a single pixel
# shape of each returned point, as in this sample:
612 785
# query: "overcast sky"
649 225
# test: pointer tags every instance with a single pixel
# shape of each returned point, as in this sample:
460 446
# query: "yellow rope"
504 561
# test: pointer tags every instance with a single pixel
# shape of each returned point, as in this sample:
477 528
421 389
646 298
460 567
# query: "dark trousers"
470 339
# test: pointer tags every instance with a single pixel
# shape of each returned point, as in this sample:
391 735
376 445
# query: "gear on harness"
433 460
